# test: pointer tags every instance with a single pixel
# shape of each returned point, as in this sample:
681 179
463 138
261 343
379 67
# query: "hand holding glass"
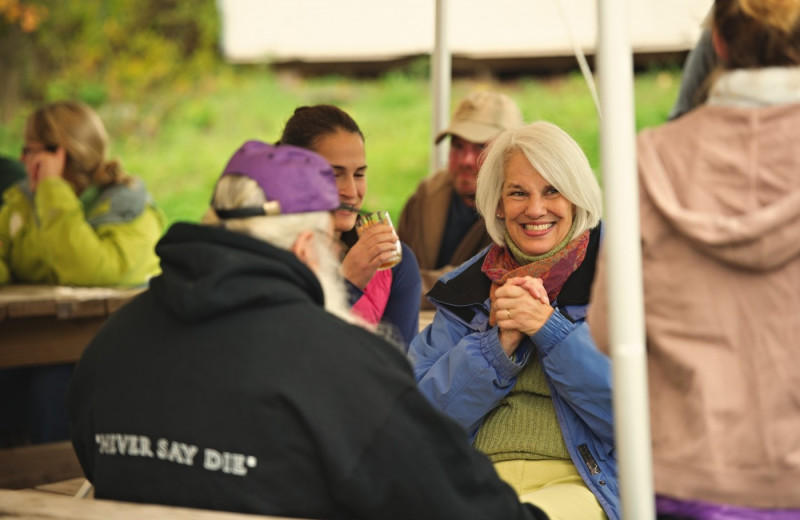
380 217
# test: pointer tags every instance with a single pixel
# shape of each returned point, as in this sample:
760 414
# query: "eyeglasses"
49 148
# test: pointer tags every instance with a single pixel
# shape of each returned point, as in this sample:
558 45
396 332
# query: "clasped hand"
521 307
375 246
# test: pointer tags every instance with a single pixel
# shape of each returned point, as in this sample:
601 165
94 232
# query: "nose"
535 208
347 187
468 157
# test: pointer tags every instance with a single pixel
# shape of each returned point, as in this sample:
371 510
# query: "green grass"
179 140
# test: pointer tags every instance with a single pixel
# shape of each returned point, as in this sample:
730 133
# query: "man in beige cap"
439 222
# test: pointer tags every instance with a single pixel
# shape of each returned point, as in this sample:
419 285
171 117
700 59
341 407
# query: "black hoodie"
228 386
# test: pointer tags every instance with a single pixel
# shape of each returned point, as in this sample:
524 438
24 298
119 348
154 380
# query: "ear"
303 248
720 45
500 213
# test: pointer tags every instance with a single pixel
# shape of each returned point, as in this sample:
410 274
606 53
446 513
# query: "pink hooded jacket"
720 225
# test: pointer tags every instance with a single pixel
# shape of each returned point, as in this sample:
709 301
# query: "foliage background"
176 111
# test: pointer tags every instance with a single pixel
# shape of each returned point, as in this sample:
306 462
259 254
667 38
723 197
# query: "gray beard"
333 286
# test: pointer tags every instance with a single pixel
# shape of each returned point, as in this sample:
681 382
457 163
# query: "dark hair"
759 33
309 123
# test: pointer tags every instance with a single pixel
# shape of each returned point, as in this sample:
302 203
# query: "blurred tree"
17 20
105 50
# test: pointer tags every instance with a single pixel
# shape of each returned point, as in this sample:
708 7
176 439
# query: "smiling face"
537 216
345 152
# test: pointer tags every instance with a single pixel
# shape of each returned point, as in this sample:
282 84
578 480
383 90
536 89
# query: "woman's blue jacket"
461 368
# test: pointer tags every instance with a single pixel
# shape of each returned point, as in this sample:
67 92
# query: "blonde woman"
76 219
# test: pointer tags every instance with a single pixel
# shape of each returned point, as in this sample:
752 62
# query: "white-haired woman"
508 355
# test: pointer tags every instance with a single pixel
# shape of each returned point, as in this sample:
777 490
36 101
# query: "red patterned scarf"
499 265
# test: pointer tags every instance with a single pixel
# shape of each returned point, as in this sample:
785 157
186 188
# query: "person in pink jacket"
387 299
720 226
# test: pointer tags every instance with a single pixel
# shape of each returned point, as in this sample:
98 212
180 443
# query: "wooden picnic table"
50 324
47 324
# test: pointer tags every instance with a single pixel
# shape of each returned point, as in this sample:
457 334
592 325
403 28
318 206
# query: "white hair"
237 191
556 157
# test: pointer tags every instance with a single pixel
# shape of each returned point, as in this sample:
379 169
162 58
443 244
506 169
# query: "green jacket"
105 237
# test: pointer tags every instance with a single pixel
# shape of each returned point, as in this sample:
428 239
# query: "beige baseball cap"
482 116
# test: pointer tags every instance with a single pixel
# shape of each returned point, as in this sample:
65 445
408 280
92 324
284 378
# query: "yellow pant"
554 486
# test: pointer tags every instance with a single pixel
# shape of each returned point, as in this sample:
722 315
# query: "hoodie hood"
727 178
207 271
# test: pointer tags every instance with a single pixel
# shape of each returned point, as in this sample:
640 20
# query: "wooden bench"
38 505
74 487
31 465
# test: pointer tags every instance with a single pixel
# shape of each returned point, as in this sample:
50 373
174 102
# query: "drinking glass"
380 217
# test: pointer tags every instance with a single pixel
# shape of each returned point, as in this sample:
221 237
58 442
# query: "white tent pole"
623 250
578 52
440 83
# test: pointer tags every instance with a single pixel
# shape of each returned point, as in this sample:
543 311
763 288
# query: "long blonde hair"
78 129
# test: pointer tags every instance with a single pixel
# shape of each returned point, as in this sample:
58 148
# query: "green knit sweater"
524 423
